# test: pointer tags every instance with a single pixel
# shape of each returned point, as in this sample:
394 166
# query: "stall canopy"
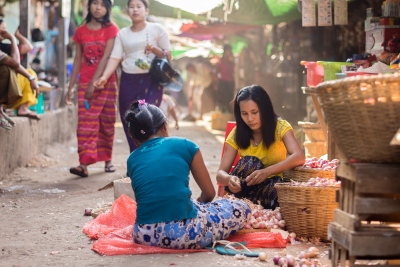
251 12
210 31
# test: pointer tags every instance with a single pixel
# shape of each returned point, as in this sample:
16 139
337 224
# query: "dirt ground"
42 210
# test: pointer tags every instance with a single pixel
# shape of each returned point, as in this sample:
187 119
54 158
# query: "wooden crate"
367 223
378 242
370 192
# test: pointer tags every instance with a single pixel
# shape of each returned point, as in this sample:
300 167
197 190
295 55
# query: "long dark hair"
143 120
267 116
107 17
145 3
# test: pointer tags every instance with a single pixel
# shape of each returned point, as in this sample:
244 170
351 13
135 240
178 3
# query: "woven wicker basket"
300 174
363 114
315 149
312 131
307 210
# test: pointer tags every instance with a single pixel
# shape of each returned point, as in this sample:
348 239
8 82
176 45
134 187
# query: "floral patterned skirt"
215 221
264 193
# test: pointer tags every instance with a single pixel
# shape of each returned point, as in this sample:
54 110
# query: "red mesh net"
113 230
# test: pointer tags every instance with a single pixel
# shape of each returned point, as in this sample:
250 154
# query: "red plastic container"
315 73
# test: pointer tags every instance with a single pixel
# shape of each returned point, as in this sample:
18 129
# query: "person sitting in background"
29 96
159 169
262 140
168 108
9 88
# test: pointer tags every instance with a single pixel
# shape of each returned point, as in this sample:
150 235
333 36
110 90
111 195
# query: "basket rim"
299 187
357 79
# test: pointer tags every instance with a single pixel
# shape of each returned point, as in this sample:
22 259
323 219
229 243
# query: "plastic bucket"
315 72
39 107
331 68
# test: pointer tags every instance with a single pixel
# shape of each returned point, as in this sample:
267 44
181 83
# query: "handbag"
162 72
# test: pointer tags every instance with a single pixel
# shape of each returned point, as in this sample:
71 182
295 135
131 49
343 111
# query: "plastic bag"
260 240
122 214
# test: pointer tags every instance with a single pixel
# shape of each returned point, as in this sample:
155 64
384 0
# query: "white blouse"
131 45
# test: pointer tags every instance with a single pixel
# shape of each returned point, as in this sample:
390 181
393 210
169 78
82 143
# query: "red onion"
88 212
302 255
290 260
276 259
303 262
282 261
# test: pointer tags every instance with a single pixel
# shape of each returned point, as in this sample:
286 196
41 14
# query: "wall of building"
30 138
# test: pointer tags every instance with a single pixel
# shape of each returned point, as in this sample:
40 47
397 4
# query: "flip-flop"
10 121
4 124
109 168
234 248
78 171
30 116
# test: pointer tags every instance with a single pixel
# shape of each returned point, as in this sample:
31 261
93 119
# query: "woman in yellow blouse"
266 145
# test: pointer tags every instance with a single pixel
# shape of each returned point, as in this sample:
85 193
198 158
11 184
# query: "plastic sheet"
113 230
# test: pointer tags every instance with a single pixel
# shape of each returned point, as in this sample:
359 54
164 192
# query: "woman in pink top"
96 107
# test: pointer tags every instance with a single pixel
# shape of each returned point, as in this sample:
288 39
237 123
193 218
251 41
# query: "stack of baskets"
307 210
363 114
314 144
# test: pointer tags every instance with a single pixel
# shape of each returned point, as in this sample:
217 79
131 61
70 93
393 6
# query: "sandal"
4 124
109 168
78 171
233 248
10 121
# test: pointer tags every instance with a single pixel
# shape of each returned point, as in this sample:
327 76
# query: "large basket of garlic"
312 168
308 207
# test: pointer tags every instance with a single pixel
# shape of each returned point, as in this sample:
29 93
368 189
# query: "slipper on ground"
10 121
78 171
110 168
234 248
5 124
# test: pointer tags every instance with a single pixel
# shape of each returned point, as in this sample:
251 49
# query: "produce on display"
304 259
317 182
321 163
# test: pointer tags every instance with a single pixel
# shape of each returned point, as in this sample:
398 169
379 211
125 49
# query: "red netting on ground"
113 230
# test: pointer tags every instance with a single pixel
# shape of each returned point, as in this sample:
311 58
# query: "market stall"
358 108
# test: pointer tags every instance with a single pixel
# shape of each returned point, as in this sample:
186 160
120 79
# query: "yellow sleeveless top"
274 154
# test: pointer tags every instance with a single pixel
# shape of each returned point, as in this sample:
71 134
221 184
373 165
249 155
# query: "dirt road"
42 206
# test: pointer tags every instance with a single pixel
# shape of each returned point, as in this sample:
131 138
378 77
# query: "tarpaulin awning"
252 12
214 28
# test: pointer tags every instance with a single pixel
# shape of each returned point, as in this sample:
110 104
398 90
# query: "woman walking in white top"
137 45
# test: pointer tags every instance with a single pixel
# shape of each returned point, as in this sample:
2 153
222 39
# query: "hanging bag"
162 72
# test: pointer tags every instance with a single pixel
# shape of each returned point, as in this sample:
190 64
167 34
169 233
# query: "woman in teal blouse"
159 168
